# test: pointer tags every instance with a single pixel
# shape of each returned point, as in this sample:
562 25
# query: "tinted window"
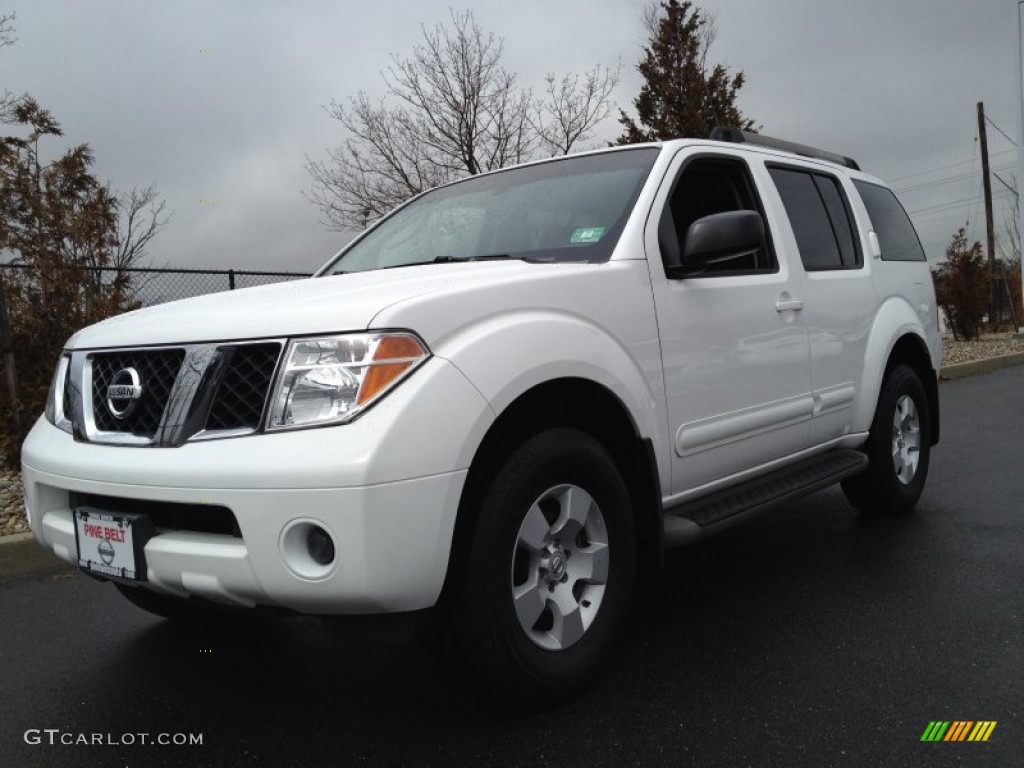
812 226
710 185
839 217
896 234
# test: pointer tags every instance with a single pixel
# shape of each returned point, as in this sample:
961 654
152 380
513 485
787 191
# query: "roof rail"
737 136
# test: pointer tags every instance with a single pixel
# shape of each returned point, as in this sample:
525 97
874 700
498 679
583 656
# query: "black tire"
480 630
182 611
880 490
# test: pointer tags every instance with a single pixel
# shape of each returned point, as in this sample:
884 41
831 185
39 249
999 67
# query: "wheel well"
570 402
911 350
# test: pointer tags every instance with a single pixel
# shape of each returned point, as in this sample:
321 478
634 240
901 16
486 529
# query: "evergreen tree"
66 240
681 96
962 286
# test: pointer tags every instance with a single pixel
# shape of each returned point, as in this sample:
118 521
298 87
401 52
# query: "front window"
572 209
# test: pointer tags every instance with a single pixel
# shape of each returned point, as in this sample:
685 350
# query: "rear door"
839 297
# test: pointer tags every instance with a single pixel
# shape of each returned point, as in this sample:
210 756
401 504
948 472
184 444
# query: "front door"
735 347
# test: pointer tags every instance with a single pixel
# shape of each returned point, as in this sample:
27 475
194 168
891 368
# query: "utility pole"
989 226
1020 151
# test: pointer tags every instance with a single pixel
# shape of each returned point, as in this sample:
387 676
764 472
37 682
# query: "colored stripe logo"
958 730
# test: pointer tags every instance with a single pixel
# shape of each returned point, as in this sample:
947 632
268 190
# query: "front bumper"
391 525
392 542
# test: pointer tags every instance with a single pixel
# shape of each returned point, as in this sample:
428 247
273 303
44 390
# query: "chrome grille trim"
186 410
220 434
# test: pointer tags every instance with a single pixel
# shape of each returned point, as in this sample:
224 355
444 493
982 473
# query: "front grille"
167 396
157 371
244 388
165 515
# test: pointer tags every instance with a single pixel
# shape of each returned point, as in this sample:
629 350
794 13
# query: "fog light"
308 549
321 547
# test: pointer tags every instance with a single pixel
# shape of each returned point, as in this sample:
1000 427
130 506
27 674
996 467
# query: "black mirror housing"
723 236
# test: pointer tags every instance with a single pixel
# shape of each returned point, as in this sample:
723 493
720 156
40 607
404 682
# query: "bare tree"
450 109
572 106
140 218
7 30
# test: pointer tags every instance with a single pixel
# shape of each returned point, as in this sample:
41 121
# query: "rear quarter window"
896 235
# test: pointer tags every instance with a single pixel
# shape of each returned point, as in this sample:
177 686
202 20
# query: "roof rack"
737 136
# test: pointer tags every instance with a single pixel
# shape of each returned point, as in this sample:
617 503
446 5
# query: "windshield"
569 209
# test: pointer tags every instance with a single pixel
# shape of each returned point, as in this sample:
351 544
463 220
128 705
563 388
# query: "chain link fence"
151 285
22 385
158 286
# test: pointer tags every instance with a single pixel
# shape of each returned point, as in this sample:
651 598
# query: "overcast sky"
892 83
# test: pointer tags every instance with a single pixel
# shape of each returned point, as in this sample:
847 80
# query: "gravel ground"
994 345
12 505
12 508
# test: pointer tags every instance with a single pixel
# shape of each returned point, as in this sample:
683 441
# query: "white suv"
504 398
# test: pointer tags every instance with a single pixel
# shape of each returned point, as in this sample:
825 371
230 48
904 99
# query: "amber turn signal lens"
394 355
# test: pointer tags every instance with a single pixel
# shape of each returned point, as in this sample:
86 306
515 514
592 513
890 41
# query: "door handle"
789 305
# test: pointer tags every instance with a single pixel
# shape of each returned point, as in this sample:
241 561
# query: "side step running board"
696 519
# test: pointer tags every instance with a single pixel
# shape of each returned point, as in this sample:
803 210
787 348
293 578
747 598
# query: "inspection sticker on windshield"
587 234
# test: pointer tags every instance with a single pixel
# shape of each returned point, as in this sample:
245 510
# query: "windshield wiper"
447 259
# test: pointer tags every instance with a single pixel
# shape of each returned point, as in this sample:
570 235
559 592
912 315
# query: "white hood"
321 305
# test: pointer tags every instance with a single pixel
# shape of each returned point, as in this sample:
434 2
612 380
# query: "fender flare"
894 320
570 348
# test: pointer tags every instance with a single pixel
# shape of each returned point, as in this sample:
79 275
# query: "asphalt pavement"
808 637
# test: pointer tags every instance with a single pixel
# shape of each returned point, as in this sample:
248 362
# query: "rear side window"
896 235
839 218
820 218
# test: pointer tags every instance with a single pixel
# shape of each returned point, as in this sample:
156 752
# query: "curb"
21 557
976 367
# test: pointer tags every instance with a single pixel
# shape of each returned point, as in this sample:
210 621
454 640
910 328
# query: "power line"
949 180
949 204
993 124
1000 180
945 167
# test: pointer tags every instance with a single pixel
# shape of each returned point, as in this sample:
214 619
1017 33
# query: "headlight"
331 379
55 398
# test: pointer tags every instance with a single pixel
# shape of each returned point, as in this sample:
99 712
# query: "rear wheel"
898 448
549 572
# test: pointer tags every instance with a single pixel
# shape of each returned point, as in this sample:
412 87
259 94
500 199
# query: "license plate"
112 543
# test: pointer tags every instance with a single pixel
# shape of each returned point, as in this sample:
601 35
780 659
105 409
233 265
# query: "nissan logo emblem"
123 393
106 551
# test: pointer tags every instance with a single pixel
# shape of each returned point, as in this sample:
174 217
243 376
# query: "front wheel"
898 448
549 573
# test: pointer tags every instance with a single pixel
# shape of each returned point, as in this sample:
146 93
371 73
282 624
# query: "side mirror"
723 236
